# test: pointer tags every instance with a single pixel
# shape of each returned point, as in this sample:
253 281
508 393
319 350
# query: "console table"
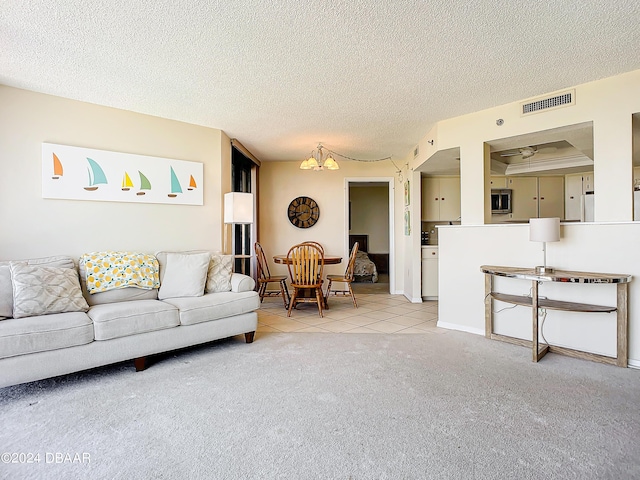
536 303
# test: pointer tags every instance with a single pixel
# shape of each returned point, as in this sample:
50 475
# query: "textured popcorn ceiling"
368 78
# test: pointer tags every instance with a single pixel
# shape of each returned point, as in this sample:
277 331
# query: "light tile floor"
376 313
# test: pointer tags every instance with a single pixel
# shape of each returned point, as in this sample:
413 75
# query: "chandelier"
319 161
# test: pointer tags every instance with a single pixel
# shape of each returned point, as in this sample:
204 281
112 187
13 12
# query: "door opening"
369 217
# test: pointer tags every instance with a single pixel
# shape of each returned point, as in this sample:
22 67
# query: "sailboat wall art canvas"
77 173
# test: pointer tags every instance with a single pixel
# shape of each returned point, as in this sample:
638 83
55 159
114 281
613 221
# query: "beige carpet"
327 406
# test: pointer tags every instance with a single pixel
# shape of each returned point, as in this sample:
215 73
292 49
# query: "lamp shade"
331 164
238 207
305 165
544 229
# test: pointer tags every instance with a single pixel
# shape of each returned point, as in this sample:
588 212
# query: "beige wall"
370 216
281 182
33 226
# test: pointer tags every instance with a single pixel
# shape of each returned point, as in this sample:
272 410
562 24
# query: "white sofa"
112 326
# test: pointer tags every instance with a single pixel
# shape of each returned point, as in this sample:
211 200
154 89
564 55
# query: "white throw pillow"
219 276
40 290
184 276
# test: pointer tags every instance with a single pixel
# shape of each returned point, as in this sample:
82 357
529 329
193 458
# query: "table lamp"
544 230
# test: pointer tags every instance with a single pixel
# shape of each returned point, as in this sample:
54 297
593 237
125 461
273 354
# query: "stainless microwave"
500 200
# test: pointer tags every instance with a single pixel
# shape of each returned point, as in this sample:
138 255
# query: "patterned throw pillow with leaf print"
39 290
219 275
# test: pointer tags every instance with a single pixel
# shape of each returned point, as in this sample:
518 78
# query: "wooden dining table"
328 259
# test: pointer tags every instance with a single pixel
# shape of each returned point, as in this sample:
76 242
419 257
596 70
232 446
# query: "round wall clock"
303 212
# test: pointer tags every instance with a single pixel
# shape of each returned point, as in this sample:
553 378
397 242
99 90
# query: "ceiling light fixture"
322 159
319 161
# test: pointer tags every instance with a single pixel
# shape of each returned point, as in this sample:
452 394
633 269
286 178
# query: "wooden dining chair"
305 262
345 279
318 244
265 278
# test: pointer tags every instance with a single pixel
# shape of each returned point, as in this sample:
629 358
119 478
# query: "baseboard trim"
413 300
461 328
631 363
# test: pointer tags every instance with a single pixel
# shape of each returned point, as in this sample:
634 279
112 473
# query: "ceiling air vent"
563 99
416 151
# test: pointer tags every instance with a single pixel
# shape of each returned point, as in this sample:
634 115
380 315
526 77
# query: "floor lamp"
544 230
238 209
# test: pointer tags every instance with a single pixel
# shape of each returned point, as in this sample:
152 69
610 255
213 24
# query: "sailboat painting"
145 184
192 183
96 175
112 176
127 184
58 171
175 185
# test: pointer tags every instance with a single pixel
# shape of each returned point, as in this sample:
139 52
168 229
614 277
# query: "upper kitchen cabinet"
573 197
524 197
534 197
440 198
551 197
498 182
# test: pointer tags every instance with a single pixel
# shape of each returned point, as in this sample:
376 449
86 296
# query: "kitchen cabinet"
440 198
572 197
430 272
524 197
587 183
534 197
499 182
551 197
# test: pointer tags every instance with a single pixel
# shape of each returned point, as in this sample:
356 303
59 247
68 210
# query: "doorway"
369 221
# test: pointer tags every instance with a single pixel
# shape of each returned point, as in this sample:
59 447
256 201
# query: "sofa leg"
248 337
140 363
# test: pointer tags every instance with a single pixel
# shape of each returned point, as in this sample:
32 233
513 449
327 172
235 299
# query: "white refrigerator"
586 207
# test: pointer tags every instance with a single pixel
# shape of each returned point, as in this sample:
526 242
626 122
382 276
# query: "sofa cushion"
185 275
213 306
6 290
219 275
115 320
20 336
42 290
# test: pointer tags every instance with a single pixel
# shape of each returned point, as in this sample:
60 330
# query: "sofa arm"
242 283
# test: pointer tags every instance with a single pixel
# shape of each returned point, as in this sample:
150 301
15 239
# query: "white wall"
591 247
605 247
33 226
